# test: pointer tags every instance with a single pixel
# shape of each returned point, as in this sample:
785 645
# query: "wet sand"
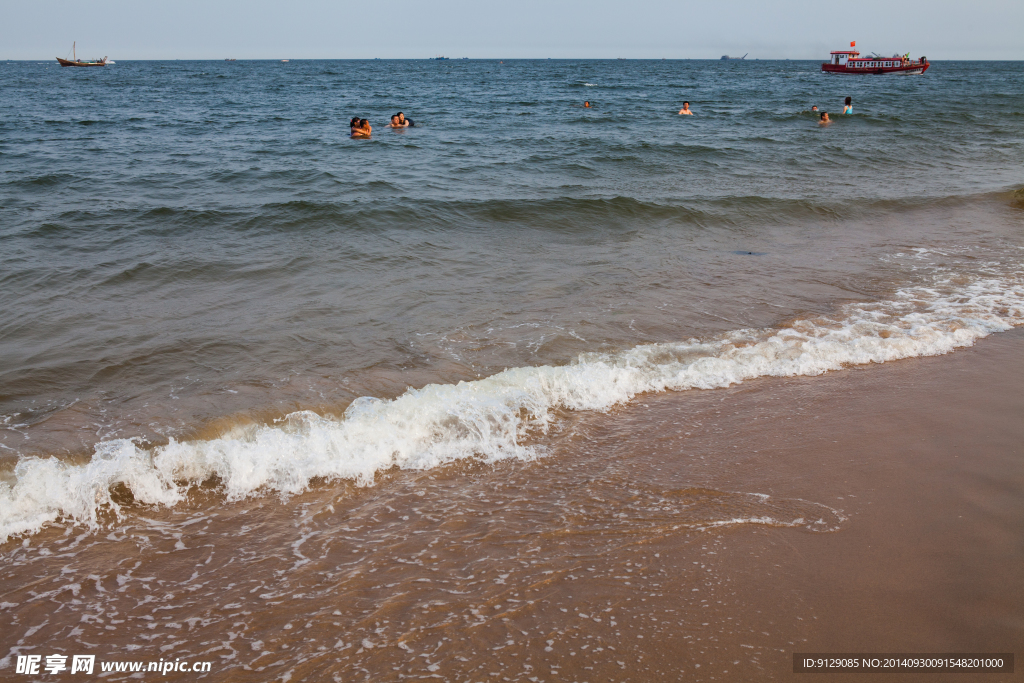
925 458
636 550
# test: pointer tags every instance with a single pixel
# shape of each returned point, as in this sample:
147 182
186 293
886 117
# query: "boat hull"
912 69
69 62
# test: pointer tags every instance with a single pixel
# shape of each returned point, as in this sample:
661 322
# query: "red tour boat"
850 62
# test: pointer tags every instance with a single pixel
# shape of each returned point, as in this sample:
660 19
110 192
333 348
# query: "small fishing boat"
732 59
81 62
850 62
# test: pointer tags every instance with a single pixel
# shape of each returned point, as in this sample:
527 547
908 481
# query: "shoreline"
507 415
598 546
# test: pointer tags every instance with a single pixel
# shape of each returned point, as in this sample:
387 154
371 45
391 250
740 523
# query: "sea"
309 407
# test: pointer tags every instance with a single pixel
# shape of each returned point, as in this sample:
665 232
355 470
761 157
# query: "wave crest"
494 418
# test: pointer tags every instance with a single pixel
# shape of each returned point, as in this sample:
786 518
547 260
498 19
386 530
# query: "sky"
403 29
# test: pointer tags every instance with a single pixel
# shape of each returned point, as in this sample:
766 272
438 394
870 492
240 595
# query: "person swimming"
814 108
361 128
395 123
685 111
848 108
406 123
586 105
825 120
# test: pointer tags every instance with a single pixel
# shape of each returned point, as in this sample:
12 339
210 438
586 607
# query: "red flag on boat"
853 43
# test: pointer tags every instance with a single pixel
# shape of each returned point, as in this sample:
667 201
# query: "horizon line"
461 59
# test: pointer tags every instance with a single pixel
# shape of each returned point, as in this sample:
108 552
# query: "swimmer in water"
848 109
685 111
814 108
586 105
405 123
824 119
395 123
362 129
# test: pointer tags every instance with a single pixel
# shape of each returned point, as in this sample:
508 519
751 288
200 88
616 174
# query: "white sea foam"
489 418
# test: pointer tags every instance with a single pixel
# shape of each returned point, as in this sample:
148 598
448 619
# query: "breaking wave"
503 415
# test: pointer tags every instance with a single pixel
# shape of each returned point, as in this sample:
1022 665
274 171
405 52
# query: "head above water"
353 122
587 103
814 108
401 117
849 100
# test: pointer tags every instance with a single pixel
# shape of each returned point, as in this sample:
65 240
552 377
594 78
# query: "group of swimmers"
361 128
825 120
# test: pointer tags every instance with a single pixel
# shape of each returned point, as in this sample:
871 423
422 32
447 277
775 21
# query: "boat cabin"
840 57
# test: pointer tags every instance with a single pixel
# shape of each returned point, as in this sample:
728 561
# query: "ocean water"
212 298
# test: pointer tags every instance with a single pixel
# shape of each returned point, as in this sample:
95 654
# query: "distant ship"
84 62
731 58
850 62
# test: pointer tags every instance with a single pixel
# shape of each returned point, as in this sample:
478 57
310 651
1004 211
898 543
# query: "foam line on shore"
491 418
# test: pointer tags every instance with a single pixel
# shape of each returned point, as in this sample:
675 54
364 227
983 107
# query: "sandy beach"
891 525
